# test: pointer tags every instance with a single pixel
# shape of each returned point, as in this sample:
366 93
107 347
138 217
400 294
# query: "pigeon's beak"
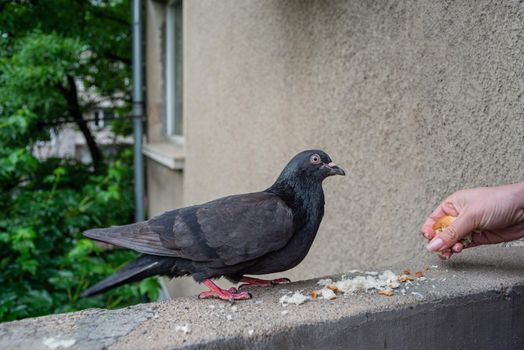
335 169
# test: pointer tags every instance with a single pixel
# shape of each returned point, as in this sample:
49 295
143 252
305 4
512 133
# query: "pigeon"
247 234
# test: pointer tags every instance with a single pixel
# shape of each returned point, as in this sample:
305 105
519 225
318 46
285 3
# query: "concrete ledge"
475 301
168 154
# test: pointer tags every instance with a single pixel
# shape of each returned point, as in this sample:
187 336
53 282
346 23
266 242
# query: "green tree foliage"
58 60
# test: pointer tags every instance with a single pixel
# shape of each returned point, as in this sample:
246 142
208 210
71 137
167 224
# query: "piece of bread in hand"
444 222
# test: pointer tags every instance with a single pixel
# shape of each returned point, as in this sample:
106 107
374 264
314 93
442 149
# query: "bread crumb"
186 329
419 274
328 294
324 281
54 343
387 293
405 278
417 295
314 294
297 299
467 240
406 271
332 287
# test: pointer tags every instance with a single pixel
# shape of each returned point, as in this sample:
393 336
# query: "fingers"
457 247
452 234
445 254
427 229
445 208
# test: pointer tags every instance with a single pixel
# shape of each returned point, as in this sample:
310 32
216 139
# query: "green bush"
45 263
48 50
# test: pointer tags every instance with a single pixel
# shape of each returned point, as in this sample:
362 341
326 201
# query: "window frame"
172 96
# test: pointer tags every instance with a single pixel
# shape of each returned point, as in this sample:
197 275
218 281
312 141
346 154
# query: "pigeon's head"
311 166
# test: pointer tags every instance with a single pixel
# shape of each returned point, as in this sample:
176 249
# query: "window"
98 119
174 117
101 117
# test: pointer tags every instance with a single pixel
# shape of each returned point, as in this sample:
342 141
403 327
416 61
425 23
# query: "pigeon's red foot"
217 292
250 282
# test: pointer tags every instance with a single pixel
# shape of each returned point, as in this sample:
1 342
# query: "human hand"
489 214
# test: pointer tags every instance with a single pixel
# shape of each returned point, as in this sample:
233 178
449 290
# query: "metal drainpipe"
138 111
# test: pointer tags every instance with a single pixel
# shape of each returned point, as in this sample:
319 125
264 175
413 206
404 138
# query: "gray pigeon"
247 234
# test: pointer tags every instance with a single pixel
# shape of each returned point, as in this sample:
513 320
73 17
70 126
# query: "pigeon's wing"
228 230
139 237
231 230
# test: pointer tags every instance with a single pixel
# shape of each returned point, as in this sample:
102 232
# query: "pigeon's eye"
315 159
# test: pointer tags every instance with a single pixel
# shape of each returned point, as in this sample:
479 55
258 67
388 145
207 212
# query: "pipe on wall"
138 111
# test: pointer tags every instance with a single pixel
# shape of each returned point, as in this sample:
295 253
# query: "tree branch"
113 57
71 96
105 15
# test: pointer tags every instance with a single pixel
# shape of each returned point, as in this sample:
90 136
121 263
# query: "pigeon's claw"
251 282
217 292
225 295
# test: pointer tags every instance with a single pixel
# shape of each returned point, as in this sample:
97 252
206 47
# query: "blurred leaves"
45 263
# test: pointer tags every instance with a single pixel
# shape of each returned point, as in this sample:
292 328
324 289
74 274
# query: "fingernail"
435 244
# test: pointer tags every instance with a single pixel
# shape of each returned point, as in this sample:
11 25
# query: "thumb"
457 230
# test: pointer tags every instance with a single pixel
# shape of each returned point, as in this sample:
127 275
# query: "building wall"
154 58
416 99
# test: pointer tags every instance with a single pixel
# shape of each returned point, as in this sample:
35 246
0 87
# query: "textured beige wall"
154 57
416 99
164 188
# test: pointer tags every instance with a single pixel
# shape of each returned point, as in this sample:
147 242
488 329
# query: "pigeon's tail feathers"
142 267
139 237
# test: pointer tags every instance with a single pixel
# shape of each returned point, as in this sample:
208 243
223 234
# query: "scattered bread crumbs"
387 293
347 285
384 283
405 278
